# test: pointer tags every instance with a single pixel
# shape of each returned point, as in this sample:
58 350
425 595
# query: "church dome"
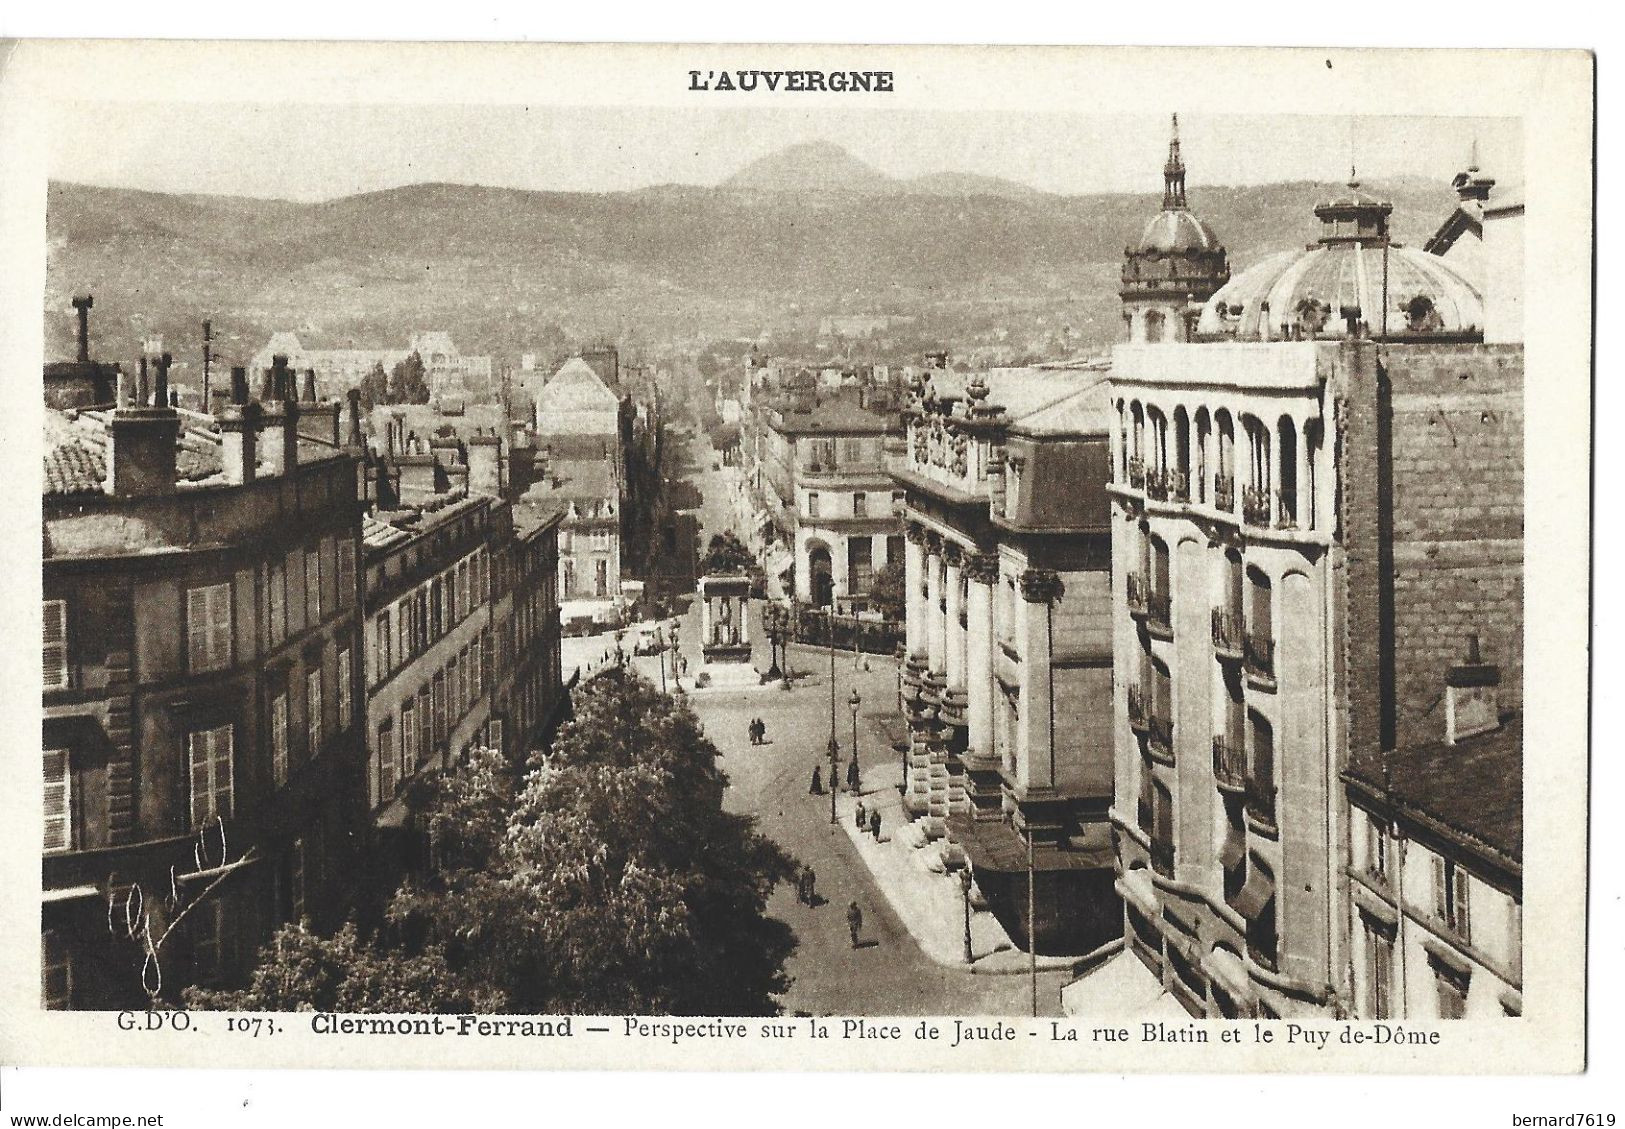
1176 232
1343 280
1178 258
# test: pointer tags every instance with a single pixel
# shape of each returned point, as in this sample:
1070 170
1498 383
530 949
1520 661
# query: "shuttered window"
56 644
58 801
210 754
208 627
344 690
313 586
387 765
277 602
346 571
409 736
313 713
279 738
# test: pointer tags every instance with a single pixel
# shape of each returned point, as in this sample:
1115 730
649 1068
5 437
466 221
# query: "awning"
1258 893
996 847
1235 845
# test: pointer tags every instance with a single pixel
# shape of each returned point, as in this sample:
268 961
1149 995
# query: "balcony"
1138 593
1178 485
1139 710
1162 857
1159 737
1255 506
1258 658
1260 804
1224 492
1287 511
1156 485
1229 765
1136 473
1227 635
1159 615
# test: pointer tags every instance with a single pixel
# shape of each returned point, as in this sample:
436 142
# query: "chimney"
485 465
1472 698
82 306
354 396
143 395
239 427
310 386
160 381
141 441
279 433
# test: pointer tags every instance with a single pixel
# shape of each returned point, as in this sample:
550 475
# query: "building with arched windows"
1316 513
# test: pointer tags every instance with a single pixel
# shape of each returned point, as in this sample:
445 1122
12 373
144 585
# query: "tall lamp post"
964 890
854 701
834 745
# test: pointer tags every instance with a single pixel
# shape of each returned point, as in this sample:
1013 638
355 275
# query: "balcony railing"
1158 615
1260 802
1255 506
1139 712
1229 764
1178 485
1162 857
1224 492
1156 485
1138 593
1227 634
1136 473
1159 737
1259 657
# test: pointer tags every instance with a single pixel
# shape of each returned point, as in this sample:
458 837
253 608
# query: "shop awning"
996 847
1255 896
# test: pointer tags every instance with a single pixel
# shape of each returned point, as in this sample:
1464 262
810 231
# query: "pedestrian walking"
817 788
761 732
861 819
854 922
810 879
874 823
852 779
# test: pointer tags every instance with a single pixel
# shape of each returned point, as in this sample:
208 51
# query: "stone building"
449 373
203 702
1316 506
1008 679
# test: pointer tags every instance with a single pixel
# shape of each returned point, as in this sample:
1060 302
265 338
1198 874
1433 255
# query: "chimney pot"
310 386
239 385
81 307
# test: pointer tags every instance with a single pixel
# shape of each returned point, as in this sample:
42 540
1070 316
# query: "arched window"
1224 477
1288 454
1200 490
1179 487
1259 644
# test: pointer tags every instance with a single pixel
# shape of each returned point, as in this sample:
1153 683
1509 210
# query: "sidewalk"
927 899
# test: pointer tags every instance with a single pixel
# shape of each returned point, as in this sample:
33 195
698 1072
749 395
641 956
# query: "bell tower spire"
1173 173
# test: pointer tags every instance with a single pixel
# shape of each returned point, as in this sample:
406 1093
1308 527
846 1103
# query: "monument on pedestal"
724 592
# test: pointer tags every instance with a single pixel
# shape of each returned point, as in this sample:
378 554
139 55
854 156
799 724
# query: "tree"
406 382
726 555
374 387
888 591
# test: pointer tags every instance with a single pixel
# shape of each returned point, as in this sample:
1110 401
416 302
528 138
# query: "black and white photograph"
798 566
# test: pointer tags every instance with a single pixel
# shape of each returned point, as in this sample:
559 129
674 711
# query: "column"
1304 503
936 640
952 713
1207 446
914 580
1035 768
1273 454
954 660
983 783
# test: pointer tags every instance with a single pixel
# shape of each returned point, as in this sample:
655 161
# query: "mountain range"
795 236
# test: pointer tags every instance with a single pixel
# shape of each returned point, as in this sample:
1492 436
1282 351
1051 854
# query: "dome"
1175 232
1310 293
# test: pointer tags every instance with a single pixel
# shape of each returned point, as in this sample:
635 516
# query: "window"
1376 849
438 697
409 736
1452 989
860 504
385 661
465 681
1450 896
344 690
601 540
346 573
386 761
425 723
313 713
437 608
600 578
1379 973
812 503
496 733
56 644
210 756
58 801
208 627
208 939
277 602
476 656
313 586
56 972
279 738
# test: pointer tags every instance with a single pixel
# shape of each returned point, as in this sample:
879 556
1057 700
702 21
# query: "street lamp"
964 890
834 745
854 701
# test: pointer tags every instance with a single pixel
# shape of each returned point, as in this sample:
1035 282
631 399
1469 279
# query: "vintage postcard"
786 558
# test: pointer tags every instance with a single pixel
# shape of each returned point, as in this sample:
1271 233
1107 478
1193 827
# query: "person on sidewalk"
809 879
854 922
761 732
860 818
817 788
874 823
852 779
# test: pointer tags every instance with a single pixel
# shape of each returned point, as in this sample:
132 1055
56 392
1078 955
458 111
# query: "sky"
315 152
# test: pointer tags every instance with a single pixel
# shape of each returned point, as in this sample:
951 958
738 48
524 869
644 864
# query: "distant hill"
968 257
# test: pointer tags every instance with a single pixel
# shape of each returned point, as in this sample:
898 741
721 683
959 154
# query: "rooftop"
1042 400
835 413
1469 793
